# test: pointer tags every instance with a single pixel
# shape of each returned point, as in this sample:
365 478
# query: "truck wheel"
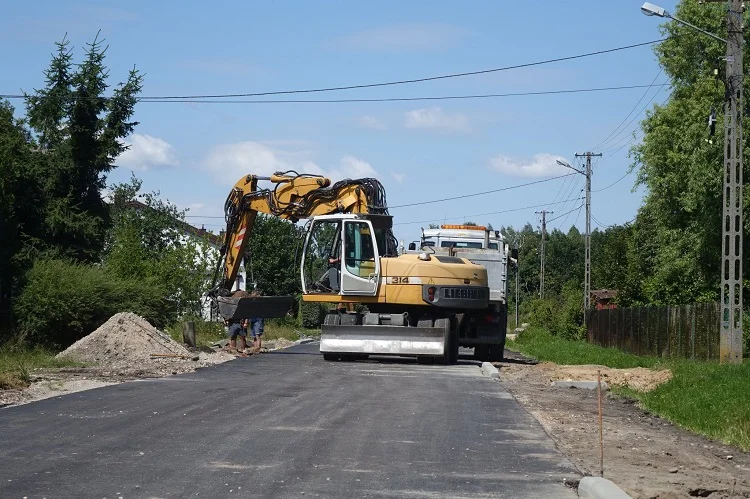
482 352
496 353
330 356
454 340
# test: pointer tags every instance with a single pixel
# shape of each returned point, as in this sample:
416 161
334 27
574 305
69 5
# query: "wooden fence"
689 331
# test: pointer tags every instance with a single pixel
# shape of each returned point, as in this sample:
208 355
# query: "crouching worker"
237 330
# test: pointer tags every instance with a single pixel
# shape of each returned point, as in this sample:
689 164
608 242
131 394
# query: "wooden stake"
601 433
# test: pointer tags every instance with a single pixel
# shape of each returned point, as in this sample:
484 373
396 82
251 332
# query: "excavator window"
358 249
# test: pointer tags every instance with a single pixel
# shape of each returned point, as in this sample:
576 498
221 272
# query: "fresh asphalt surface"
285 424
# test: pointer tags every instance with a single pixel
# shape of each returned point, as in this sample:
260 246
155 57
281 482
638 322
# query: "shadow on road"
464 359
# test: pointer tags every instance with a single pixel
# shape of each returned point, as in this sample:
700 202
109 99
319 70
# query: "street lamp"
730 321
650 9
566 165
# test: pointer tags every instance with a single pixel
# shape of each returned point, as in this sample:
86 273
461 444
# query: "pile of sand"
125 340
639 378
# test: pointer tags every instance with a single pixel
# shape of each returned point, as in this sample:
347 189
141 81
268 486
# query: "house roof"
602 294
212 238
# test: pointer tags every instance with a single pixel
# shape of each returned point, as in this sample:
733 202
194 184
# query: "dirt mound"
638 378
125 340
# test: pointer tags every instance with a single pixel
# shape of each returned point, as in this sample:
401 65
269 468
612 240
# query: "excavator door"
351 243
360 267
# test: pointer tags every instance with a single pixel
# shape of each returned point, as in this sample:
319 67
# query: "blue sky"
420 150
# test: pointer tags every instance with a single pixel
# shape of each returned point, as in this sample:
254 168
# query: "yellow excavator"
409 304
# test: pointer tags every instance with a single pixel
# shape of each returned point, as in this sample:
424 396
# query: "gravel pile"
125 340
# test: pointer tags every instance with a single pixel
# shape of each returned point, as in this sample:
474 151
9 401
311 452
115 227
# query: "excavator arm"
293 197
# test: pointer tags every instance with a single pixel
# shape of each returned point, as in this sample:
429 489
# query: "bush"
64 301
561 315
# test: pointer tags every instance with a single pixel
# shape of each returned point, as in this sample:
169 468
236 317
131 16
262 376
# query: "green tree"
273 256
79 132
564 260
679 223
148 243
20 202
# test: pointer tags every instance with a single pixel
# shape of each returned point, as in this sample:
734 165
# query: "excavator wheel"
451 348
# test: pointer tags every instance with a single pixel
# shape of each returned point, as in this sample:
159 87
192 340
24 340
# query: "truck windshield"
460 244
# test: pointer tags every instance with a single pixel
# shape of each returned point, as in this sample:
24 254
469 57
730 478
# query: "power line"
578 215
566 213
481 214
480 193
383 99
389 83
628 115
613 183
641 112
399 99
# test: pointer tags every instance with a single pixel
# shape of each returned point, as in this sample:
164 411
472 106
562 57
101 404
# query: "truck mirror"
514 253
412 246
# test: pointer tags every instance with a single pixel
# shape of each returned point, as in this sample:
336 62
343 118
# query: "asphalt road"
284 424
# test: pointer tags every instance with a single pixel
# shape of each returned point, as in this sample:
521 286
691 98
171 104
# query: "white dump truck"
488 248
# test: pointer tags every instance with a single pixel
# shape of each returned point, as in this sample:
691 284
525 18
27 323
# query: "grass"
708 398
540 344
17 360
208 333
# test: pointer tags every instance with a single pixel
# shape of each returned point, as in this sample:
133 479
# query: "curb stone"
303 341
490 371
593 487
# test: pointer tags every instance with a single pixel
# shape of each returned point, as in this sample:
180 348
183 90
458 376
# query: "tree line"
76 249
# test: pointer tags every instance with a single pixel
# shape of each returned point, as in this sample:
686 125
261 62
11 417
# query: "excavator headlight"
424 256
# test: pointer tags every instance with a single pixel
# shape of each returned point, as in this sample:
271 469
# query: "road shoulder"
644 455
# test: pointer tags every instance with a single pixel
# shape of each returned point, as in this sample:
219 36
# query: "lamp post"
730 322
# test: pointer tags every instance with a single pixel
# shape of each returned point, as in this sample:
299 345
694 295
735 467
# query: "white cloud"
371 122
230 162
146 152
398 177
541 165
353 168
435 118
404 37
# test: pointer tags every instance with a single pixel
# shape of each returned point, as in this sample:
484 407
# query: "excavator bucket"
261 307
383 340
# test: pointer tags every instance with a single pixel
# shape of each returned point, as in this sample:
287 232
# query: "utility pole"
587 280
519 244
541 256
730 345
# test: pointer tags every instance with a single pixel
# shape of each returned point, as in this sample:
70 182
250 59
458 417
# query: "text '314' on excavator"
421 304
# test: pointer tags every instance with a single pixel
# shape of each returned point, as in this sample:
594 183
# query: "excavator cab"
341 256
